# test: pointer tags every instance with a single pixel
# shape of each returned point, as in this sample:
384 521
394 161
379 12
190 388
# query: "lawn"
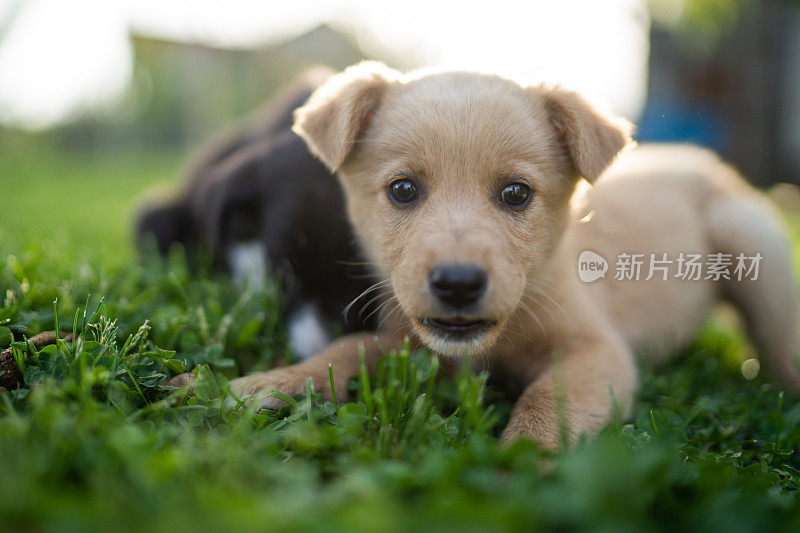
94 441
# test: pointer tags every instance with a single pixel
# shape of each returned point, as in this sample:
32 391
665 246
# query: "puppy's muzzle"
458 286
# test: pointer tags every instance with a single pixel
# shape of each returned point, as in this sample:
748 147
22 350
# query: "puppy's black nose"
458 285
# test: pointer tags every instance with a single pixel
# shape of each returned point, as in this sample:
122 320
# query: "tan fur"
571 344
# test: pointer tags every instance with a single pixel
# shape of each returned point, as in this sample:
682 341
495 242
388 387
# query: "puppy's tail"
743 224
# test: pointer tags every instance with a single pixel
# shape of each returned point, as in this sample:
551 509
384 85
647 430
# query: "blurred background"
100 99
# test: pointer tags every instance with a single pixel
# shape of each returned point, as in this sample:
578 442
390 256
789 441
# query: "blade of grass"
333 388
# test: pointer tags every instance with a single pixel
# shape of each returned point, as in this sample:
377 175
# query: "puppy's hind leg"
742 222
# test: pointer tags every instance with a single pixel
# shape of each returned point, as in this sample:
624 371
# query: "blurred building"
183 92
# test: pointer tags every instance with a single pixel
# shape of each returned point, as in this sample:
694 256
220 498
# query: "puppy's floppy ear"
592 138
337 112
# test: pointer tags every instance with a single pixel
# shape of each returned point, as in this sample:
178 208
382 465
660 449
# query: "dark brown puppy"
256 199
183 219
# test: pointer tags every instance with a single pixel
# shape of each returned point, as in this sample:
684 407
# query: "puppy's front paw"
547 435
290 381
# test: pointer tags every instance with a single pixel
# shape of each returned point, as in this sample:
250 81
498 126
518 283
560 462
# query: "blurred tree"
701 24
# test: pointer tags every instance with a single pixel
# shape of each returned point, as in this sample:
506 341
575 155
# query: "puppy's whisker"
532 291
552 313
504 336
520 332
555 303
374 286
365 276
537 303
364 307
394 309
355 263
534 316
531 284
390 313
564 178
484 363
377 309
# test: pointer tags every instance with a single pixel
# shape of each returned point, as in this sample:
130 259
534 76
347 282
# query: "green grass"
80 202
92 442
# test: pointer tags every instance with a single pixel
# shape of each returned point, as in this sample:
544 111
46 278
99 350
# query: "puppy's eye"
516 194
403 191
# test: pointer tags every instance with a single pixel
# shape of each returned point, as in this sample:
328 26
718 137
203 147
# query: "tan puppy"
459 187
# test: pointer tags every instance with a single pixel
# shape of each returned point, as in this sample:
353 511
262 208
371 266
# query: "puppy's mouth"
457 328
